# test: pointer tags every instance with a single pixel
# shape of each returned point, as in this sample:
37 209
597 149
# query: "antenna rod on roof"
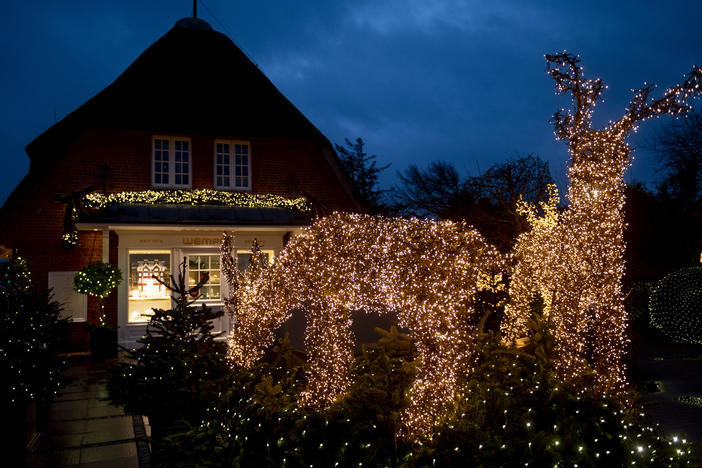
194 8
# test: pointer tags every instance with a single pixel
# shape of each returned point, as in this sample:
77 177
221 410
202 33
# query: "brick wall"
118 160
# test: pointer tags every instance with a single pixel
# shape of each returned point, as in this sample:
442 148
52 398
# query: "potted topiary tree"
99 279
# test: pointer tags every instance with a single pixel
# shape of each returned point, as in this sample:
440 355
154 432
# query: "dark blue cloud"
420 80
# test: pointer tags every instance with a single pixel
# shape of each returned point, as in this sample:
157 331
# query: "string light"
426 271
100 201
574 259
195 197
97 279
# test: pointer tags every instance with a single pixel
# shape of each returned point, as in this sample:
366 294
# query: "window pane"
222 165
160 161
182 159
241 166
198 267
146 293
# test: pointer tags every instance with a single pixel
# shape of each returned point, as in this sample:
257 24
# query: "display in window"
147 273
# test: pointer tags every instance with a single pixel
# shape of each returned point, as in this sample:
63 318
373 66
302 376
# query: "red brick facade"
115 160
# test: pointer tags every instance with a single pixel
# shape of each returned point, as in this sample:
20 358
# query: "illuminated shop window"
198 267
244 257
171 162
145 291
232 165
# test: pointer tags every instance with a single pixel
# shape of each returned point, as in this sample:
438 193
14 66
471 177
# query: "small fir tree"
361 168
31 333
178 370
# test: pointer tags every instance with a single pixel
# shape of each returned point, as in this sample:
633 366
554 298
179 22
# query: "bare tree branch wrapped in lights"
575 259
426 271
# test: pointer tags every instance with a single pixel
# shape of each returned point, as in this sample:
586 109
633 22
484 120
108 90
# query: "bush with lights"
516 411
675 305
177 371
258 421
98 279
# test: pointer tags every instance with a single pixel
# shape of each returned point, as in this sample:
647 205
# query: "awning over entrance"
195 215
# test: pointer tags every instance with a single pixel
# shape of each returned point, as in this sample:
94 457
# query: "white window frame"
231 181
171 162
223 290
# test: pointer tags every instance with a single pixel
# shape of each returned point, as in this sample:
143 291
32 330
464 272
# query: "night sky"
418 80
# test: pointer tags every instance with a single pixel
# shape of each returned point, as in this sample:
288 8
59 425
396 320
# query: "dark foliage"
488 201
679 147
435 192
361 168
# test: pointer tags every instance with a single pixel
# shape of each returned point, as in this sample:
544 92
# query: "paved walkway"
85 430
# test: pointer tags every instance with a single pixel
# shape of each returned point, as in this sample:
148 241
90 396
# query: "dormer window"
171 162
232 165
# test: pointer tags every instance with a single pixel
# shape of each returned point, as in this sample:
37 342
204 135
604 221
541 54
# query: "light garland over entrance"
426 271
575 259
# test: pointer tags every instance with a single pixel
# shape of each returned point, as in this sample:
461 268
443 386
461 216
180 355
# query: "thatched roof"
193 80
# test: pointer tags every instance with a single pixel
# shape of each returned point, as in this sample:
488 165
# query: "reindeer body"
425 271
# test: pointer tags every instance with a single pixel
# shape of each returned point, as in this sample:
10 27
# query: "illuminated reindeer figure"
575 259
426 271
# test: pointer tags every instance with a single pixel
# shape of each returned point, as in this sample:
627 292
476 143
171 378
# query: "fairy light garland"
100 201
575 259
426 271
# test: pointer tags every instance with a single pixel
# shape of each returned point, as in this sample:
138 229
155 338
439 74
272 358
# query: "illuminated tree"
575 259
425 271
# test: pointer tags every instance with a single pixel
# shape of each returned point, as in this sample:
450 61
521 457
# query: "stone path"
84 430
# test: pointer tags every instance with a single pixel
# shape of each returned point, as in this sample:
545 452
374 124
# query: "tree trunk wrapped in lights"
426 271
575 259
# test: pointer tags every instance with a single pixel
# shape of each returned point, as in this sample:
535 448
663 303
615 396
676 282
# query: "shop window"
146 293
244 257
198 267
171 162
232 165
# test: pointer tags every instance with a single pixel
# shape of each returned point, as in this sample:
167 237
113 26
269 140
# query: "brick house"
192 112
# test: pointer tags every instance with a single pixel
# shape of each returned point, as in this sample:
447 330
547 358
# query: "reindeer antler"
566 71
